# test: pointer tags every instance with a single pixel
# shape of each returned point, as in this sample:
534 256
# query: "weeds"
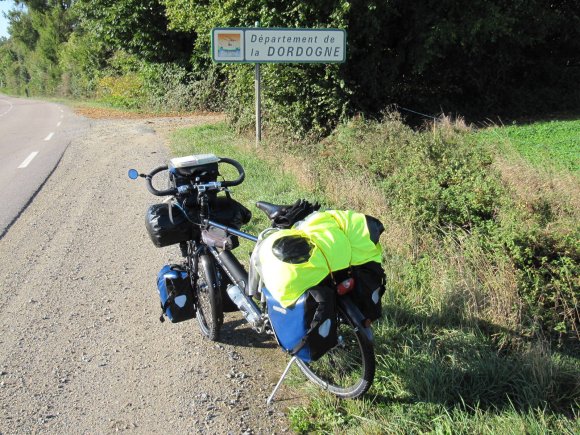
481 310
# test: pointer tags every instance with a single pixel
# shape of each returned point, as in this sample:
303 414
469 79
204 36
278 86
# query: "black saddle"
284 216
272 210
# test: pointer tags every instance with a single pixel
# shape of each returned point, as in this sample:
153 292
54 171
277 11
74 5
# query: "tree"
136 26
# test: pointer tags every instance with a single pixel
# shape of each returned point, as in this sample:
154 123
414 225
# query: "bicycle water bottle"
248 309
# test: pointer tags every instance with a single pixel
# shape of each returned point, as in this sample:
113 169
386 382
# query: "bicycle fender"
354 314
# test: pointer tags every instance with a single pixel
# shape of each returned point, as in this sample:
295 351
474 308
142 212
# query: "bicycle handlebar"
241 172
152 189
213 185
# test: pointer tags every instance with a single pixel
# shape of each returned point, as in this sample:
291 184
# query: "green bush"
121 91
81 62
476 245
172 88
548 266
476 58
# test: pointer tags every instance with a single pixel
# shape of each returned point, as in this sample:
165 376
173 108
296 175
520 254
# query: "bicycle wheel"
209 307
348 369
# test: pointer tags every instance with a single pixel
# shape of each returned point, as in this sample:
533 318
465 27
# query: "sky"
5 6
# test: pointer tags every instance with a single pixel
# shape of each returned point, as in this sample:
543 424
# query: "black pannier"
369 288
167 225
227 211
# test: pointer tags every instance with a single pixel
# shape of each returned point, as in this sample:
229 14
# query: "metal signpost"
273 45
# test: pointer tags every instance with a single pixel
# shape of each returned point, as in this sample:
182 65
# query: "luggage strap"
317 297
170 296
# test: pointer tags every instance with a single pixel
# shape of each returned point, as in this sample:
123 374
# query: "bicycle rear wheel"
348 369
209 304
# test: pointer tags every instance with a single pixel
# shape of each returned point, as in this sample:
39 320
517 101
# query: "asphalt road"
33 136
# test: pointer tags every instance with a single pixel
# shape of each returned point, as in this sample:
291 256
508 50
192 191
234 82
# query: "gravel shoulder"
81 346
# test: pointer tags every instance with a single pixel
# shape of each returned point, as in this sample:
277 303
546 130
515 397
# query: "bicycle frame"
227 262
239 276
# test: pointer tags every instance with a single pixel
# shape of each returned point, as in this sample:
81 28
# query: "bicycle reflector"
345 287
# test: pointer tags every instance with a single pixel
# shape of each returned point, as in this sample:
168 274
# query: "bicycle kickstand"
271 398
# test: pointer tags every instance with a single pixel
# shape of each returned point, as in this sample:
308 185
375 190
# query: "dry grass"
449 126
463 278
533 189
475 283
443 273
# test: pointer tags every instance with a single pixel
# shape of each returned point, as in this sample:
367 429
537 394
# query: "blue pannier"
176 293
308 328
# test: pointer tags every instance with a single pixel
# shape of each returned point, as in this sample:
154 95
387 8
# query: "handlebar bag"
176 293
227 211
186 172
308 328
369 288
167 225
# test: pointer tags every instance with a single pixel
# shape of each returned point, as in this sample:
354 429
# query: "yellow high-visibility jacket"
292 261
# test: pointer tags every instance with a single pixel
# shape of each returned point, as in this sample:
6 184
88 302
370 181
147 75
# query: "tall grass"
467 344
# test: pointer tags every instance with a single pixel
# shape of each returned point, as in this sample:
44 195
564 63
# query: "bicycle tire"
329 371
209 306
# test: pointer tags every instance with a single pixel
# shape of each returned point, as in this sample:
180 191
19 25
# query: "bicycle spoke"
347 370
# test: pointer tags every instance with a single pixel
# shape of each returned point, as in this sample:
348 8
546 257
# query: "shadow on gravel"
238 333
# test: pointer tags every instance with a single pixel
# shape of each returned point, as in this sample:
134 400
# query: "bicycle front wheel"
209 304
348 369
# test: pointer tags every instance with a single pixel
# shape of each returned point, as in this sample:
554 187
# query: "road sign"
267 45
270 45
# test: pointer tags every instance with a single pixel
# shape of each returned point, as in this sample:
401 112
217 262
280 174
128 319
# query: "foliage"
437 370
135 26
37 34
474 57
298 99
479 58
121 91
81 62
172 88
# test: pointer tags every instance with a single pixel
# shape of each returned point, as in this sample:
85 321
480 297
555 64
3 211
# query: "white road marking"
28 159
49 137
10 106
58 124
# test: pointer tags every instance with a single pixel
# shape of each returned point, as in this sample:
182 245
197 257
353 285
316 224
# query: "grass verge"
552 144
454 352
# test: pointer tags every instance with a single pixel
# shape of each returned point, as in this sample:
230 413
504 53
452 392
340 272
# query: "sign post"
272 45
258 91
